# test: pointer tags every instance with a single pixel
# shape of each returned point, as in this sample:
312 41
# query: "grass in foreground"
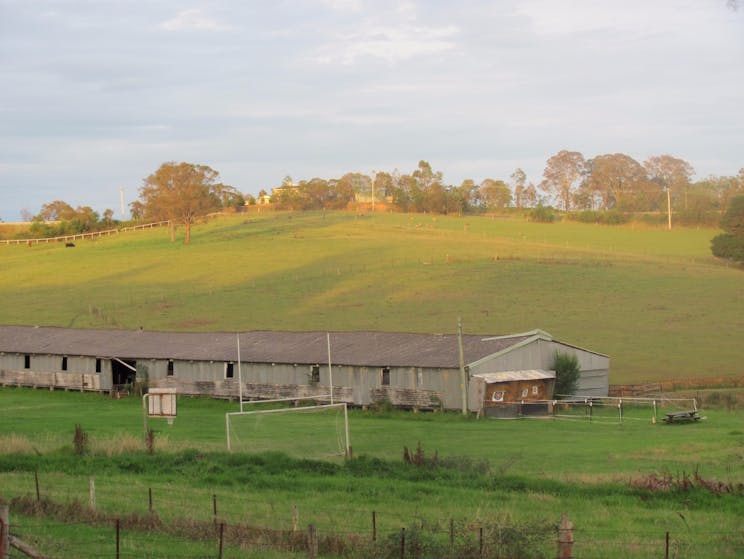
489 473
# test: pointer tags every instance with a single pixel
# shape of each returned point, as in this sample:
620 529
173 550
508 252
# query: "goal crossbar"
343 406
275 400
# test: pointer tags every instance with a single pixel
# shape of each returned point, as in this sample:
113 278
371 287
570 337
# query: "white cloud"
192 20
391 44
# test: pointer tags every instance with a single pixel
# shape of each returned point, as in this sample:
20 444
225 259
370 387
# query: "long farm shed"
408 370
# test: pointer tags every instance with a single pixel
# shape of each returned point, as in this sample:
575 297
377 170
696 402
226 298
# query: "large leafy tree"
180 192
495 194
617 180
562 175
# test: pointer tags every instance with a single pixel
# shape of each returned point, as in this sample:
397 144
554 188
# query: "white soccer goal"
609 409
315 430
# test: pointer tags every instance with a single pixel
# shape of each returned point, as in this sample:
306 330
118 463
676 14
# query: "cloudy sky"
96 94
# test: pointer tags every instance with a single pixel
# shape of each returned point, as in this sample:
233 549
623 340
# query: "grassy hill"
656 301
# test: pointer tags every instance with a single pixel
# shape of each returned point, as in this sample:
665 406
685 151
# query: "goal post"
341 407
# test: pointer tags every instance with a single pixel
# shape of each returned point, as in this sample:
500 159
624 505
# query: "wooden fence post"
92 492
222 537
295 518
214 507
565 538
149 498
4 532
312 542
374 526
36 481
402 543
118 539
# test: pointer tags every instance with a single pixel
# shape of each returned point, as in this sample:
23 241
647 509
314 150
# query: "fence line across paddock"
76 236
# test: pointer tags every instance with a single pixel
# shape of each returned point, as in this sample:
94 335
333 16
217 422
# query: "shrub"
728 246
567 373
542 214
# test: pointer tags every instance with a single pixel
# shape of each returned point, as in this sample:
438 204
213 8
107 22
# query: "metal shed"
408 370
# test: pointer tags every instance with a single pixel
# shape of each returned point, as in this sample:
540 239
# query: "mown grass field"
656 301
491 472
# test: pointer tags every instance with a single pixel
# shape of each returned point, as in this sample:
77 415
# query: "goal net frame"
589 402
296 409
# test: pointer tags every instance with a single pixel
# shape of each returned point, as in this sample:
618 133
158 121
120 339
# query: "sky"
96 94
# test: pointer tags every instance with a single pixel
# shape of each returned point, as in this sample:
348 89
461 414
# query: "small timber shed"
513 393
408 370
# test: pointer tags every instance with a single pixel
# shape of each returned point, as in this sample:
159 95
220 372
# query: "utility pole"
121 201
669 209
463 374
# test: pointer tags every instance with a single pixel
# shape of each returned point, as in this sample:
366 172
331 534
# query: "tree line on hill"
605 183
606 189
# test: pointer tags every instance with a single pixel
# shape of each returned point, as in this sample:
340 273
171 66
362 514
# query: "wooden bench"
687 416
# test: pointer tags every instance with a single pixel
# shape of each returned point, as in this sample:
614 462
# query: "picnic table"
687 416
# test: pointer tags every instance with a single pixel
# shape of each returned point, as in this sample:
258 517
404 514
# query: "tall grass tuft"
80 440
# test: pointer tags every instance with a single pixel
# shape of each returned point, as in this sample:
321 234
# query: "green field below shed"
522 473
655 301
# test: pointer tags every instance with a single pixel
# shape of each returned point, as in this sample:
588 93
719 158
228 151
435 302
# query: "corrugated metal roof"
381 349
508 376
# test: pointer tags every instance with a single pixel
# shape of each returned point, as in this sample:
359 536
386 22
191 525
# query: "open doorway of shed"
121 374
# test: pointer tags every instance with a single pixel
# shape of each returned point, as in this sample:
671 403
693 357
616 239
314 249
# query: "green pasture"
518 472
655 301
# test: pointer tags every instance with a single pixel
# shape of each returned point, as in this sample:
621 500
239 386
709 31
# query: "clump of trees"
423 190
730 244
58 219
608 188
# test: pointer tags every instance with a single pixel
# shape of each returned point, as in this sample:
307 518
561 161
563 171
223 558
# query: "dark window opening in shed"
386 376
120 373
315 374
170 367
98 365
64 363
26 361
229 371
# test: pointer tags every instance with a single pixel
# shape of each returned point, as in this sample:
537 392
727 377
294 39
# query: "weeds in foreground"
80 440
684 482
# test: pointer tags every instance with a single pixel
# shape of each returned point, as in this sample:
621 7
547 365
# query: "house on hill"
408 370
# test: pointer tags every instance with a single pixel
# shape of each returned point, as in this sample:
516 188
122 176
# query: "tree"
733 220
180 192
495 194
56 211
519 180
567 373
616 179
467 196
673 176
562 174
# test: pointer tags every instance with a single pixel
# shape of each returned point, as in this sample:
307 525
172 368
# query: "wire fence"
94 524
